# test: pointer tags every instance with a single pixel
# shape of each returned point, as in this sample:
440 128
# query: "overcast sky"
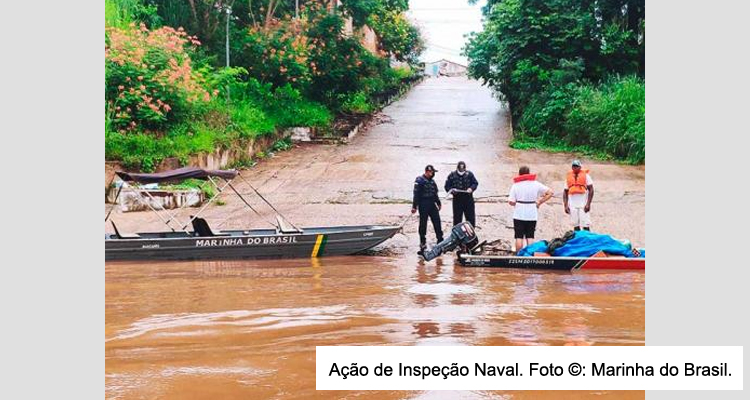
444 24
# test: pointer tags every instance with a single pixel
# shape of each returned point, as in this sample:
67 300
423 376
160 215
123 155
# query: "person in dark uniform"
426 200
462 184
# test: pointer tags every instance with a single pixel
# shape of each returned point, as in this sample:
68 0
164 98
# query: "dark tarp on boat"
175 175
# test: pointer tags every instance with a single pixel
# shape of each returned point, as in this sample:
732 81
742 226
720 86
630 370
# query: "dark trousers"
463 205
429 210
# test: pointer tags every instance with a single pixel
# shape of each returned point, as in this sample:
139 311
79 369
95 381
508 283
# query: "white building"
444 68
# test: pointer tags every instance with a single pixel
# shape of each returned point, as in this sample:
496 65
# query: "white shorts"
580 218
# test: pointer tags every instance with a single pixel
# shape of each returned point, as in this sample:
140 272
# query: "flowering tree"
278 53
150 80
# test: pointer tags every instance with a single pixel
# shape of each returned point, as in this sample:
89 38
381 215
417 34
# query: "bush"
611 117
402 73
150 82
340 63
545 113
398 37
121 13
289 109
356 103
250 121
278 54
282 145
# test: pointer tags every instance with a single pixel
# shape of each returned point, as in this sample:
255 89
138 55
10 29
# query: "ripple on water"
121 385
441 289
204 370
183 324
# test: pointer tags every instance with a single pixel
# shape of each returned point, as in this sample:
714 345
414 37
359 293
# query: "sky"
444 24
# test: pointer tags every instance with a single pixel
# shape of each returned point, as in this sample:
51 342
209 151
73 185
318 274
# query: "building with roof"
444 67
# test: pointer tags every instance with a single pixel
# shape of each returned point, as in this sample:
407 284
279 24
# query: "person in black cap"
426 200
462 184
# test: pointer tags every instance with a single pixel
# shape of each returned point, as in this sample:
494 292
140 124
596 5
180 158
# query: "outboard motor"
462 235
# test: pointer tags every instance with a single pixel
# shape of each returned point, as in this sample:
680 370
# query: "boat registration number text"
533 261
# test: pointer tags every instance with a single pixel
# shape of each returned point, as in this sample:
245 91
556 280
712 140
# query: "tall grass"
608 118
611 117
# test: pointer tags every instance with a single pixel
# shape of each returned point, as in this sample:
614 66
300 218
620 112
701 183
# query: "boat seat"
201 228
126 235
285 227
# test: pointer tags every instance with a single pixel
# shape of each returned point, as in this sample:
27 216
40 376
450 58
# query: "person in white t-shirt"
526 195
577 196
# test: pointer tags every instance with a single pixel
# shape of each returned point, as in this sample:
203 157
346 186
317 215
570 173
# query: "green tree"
562 64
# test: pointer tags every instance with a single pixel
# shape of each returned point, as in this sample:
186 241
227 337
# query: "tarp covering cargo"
583 244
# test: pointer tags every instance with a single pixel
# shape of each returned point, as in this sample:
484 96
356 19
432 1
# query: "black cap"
461 163
429 167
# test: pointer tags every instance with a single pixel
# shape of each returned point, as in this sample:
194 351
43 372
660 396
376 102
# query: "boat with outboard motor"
203 243
472 253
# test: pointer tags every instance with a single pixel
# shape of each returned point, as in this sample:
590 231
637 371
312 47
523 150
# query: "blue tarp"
584 244
536 247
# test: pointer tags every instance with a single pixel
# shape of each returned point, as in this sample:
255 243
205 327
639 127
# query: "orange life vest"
577 184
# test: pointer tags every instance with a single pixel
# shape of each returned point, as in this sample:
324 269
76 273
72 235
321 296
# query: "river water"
249 329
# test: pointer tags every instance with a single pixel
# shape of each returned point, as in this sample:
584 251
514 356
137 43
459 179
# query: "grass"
282 145
206 187
144 151
524 142
357 103
605 120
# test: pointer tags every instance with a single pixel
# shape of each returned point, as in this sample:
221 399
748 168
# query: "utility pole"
296 9
229 16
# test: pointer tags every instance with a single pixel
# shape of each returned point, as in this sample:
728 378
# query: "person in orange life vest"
577 196
526 195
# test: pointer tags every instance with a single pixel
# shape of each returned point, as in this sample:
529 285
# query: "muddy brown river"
248 330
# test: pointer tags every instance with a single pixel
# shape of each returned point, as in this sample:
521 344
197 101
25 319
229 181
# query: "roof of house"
449 61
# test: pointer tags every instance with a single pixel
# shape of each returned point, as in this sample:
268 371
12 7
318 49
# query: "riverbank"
439 122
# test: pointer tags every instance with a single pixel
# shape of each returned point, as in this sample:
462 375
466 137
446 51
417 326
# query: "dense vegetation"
170 94
571 71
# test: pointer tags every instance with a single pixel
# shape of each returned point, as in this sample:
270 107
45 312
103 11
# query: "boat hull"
553 263
241 245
